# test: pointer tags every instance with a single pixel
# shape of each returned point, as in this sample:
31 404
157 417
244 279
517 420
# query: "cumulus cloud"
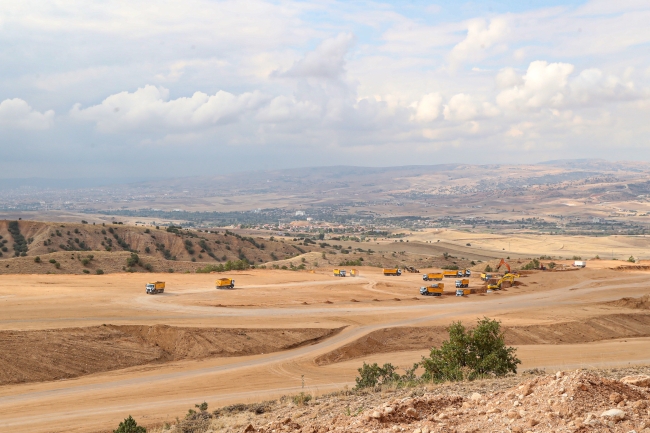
481 36
149 108
326 61
465 107
16 113
427 109
543 85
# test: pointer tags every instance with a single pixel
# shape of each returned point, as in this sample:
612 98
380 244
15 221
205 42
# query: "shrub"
52 261
133 260
37 259
129 426
533 264
471 354
57 265
85 261
99 272
552 265
450 267
149 267
372 375
631 259
488 268
147 250
86 271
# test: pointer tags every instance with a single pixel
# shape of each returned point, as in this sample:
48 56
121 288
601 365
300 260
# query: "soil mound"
574 401
423 338
31 356
642 303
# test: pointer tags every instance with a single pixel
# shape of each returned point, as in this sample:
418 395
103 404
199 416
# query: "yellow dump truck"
225 283
463 292
451 274
155 287
433 290
462 283
354 273
437 276
393 272
339 272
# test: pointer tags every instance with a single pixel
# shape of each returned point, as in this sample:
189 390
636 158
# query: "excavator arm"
502 263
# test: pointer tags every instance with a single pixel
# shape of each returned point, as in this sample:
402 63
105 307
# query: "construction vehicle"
412 270
437 276
339 272
463 292
450 274
467 273
497 285
433 290
354 273
395 272
225 283
503 263
485 276
462 283
155 287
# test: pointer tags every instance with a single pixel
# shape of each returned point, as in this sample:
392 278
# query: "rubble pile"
578 401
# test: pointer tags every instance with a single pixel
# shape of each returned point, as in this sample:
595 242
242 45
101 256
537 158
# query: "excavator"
502 263
507 277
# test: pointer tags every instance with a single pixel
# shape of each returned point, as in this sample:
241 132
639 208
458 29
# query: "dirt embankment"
31 356
642 303
422 338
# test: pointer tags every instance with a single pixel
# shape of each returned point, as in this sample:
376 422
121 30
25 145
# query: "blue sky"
110 89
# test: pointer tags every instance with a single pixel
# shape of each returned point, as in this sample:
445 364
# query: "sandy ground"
278 299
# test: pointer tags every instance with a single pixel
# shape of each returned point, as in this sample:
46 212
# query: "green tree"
471 354
129 426
488 268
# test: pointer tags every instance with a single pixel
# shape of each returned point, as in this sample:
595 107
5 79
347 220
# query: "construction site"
88 350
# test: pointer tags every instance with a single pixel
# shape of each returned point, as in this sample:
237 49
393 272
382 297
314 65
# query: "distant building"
300 213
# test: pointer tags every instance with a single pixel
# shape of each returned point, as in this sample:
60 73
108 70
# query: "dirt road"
272 299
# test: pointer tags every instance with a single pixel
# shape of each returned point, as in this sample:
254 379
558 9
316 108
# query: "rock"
443 416
532 422
512 414
613 414
388 410
615 397
425 429
516 403
641 380
517 429
494 410
250 428
640 404
466 405
375 415
559 374
411 412
417 430
527 390
476 396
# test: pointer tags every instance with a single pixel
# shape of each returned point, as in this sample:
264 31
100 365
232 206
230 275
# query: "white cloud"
16 113
481 37
148 108
428 108
326 61
543 85
462 107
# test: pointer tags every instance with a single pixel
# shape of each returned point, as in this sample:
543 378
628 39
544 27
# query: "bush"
57 265
450 267
488 268
52 261
631 259
133 260
85 261
99 272
471 354
372 375
129 426
86 271
37 259
533 264
147 250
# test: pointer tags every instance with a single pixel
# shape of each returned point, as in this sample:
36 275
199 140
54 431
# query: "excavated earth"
573 401
30 356
415 338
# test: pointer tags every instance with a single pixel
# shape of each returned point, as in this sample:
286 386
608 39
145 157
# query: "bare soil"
53 354
642 303
413 338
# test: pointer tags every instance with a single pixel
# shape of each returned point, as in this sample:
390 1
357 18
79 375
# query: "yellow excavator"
507 277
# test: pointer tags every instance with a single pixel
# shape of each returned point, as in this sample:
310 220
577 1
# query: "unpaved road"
273 299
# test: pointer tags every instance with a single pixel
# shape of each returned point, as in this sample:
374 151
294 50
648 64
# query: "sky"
140 89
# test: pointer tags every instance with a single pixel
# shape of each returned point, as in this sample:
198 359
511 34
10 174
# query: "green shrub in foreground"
129 426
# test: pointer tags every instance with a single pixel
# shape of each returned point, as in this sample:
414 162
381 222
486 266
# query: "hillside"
111 244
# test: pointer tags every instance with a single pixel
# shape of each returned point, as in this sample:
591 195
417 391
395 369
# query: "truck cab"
155 287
